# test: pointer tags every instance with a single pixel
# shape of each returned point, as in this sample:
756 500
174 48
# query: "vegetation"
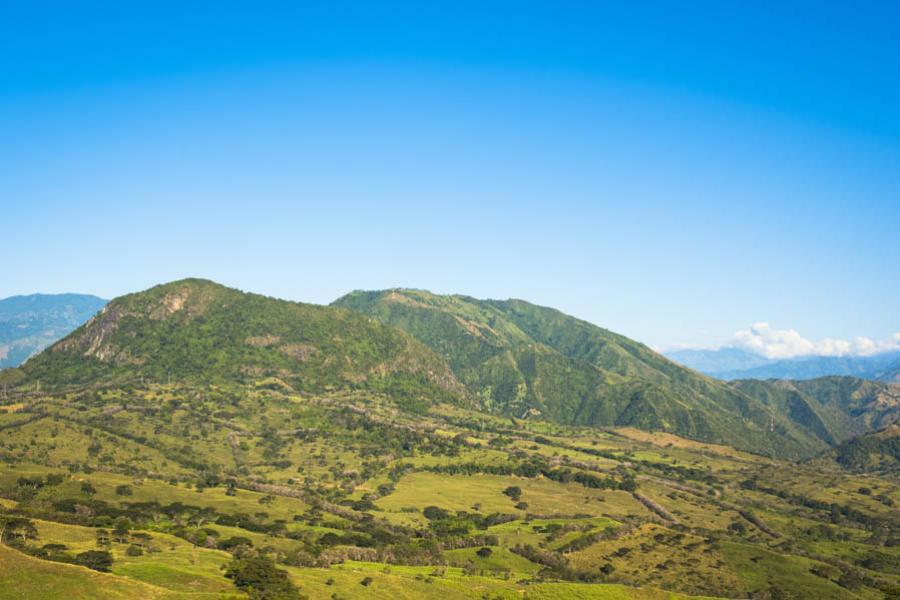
258 576
523 360
359 477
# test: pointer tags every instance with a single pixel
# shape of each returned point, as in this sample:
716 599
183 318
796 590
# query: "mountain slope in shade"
876 451
28 324
197 330
835 408
519 359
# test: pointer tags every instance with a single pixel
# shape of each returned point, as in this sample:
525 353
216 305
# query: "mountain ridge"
195 329
517 357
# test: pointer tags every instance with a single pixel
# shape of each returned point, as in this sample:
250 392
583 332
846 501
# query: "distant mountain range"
735 363
28 324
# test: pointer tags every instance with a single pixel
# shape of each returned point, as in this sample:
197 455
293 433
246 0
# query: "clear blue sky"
673 171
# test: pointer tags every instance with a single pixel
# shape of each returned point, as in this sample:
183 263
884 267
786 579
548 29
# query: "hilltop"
197 330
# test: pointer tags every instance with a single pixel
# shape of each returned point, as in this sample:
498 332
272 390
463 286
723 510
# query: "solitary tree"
514 492
98 560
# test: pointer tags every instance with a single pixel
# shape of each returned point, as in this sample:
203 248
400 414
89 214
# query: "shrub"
259 577
98 560
513 491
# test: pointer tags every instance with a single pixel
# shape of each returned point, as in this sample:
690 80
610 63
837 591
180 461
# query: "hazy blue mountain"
734 363
867 367
890 372
718 361
28 324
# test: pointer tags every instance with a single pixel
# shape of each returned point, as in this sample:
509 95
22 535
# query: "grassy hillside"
351 496
195 441
24 577
197 330
520 359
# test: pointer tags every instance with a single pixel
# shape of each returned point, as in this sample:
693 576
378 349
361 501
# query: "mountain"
734 363
889 372
876 451
520 359
721 360
195 441
834 408
28 324
197 330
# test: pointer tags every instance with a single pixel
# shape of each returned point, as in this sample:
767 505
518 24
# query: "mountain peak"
201 330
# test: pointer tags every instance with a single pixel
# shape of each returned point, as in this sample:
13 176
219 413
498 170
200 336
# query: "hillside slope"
520 359
28 324
197 330
836 408
877 451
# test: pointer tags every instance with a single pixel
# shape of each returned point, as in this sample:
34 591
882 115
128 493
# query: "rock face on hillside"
521 359
199 330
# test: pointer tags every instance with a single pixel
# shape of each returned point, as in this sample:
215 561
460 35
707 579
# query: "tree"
120 532
103 539
514 492
123 490
435 513
484 552
98 560
259 577
17 527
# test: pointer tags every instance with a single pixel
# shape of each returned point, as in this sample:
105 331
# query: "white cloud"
788 343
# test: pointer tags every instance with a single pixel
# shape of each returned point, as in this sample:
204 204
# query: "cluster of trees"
20 533
261 579
533 469
856 453
837 513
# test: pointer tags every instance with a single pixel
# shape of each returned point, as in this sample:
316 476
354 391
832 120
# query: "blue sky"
675 173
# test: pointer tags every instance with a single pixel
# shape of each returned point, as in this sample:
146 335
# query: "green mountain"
520 359
835 408
194 441
28 324
876 451
196 330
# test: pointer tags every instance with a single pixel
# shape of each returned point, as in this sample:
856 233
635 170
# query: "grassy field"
355 499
